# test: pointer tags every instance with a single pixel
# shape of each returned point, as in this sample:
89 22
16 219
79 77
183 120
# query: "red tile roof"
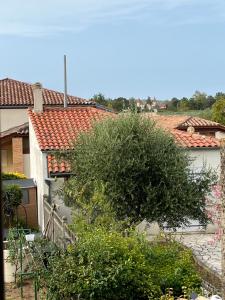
183 138
55 129
200 122
55 166
183 122
167 122
19 94
188 140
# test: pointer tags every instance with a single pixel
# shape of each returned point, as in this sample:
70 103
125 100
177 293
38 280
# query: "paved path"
204 248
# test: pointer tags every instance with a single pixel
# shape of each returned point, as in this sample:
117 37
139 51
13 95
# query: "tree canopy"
145 174
218 110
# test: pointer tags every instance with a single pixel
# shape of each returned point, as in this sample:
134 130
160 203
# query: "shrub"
12 175
106 265
173 267
103 265
11 196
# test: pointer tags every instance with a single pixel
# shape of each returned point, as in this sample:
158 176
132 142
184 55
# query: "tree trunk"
222 182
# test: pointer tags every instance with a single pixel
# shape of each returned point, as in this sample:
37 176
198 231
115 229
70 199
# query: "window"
26 146
25 198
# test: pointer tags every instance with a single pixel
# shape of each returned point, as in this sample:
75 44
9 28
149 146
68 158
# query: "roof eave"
60 174
202 148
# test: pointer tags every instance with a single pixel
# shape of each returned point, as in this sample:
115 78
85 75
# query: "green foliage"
14 240
106 265
144 173
95 213
11 196
173 267
218 110
12 175
199 101
206 114
100 99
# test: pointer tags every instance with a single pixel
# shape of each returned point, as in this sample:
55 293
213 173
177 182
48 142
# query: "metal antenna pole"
65 83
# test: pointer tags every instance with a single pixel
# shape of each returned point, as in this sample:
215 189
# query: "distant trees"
117 104
218 109
199 101
100 99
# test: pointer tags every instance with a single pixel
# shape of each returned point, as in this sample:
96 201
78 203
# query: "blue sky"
139 48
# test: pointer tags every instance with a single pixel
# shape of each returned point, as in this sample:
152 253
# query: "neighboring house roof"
185 139
200 123
183 122
55 166
188 140
21 130
17 93
168 122
56 129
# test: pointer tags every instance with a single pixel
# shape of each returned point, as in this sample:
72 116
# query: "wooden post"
64 222
222 182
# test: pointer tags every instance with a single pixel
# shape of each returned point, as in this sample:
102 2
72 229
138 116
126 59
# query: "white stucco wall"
12 117
26 165
38 171
209 157
220 135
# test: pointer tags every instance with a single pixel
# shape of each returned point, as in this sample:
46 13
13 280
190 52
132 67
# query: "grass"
193 113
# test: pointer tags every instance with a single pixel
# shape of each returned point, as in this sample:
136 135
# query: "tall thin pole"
65 83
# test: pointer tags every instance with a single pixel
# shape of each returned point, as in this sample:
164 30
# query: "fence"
56 228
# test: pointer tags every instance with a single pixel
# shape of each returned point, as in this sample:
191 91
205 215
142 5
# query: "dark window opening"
26 146
25 198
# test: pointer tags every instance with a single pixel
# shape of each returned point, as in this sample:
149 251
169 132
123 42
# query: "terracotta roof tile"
189 140
172 124
55 129
183 122
55 166
18 93
169 121
199 122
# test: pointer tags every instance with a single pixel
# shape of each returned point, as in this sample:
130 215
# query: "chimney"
38 97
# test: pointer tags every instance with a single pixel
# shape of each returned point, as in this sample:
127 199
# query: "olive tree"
145 173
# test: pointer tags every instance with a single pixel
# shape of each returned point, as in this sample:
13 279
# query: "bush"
12 175
173 267
106 265
218 108
11 196
144 172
